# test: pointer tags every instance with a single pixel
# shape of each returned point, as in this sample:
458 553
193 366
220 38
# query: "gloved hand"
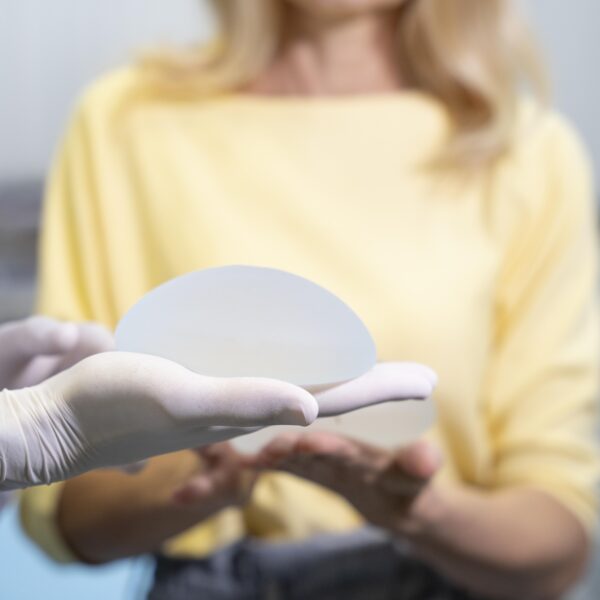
36 348
33 349
117 408
385 382
227 479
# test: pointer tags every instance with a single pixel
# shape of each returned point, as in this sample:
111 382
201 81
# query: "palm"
380 484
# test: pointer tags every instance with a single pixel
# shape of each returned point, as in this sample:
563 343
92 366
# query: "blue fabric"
365 565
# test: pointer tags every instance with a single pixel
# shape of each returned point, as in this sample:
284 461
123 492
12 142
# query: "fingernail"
431 375
303 414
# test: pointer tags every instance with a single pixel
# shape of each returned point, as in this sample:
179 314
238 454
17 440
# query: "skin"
335 48
516 543
180 490
467 534
107 515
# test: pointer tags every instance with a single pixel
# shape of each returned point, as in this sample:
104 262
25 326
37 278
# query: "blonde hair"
474 56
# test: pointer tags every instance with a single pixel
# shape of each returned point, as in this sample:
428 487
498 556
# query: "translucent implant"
240 321
250 321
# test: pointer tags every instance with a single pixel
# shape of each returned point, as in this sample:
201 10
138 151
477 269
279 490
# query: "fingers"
195 491
252 402
324 443
411 469
91 339
224 479
38 347
218 465
384 383
193 401
37 336
341 463
94 338
218 455
420 460
31 349
303 456
277 450
288 447
421 370
214 490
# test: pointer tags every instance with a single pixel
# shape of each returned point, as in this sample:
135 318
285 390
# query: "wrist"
10 441
20 422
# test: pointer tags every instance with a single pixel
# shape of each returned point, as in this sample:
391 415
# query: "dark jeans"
364 565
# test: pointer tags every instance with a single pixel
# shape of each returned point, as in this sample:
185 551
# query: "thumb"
420 460
92 338
134 379
253 401
385 382
411 468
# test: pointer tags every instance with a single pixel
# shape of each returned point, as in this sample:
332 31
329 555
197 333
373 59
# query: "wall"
568 32
51 49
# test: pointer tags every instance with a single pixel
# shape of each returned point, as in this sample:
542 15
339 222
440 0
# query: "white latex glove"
34 349
385 382
224 476
116 408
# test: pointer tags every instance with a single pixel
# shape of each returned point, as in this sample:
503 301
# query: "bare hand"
223 480
385 487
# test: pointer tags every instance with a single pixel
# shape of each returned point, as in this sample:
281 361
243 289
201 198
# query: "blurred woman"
382 149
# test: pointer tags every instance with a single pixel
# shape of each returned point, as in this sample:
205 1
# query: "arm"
530 521
541 402
522 530
117 408
501 543
73 266
105 516
516 543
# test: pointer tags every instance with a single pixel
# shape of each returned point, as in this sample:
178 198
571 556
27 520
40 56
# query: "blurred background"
50 51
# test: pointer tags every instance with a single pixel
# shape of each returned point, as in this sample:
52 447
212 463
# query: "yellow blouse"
489 277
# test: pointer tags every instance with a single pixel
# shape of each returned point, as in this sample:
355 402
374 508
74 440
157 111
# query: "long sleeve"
72 266
542 386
